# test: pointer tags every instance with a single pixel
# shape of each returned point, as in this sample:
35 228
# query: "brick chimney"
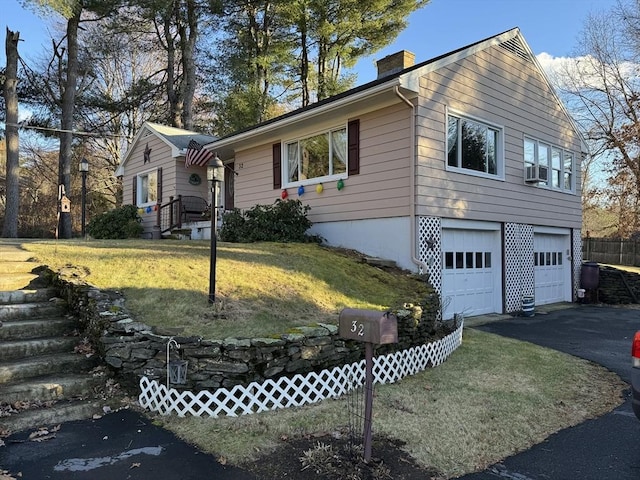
395 63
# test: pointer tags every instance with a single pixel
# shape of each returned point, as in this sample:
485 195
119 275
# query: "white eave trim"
307 115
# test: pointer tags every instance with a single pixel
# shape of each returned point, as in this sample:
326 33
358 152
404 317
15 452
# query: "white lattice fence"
301 389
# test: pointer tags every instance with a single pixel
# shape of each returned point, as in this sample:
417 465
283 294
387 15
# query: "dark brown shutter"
159 185
277 165
353 150
135 191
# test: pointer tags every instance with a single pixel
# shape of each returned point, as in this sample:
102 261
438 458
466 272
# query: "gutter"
414 160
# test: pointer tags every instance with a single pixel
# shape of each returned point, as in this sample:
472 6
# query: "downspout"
412 189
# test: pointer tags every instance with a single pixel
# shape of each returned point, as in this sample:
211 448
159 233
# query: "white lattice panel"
430 249
519 273
577 261
298 390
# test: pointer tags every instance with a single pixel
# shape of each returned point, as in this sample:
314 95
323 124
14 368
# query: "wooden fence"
612 251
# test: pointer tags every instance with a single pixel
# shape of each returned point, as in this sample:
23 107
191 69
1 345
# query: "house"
465 167
155 177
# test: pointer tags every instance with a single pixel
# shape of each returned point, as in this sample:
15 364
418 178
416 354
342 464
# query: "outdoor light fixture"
84 169
176 369
215 175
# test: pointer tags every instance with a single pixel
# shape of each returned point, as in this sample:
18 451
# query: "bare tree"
602 89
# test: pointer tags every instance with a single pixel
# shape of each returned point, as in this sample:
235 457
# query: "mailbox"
65 204
368 326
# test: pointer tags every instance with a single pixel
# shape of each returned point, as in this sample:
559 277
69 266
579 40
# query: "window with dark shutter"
277 166
135 191
159 193
353 151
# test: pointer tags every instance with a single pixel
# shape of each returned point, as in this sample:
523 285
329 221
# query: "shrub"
284 221
119 223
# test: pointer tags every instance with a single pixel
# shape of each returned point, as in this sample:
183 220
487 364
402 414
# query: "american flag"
196 155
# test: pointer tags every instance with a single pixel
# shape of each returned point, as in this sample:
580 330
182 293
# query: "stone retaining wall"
133 349
618 286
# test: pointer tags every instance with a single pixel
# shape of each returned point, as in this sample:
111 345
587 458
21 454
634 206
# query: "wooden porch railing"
180 210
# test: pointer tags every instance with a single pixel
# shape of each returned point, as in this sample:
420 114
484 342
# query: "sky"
550 27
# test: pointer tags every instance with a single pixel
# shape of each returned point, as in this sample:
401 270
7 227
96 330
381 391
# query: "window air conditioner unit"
536 173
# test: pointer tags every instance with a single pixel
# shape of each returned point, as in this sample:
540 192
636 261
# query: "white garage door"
471 272
552 268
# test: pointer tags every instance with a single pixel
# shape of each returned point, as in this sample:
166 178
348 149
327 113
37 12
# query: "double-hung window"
473 146
147 184
558 162
322 156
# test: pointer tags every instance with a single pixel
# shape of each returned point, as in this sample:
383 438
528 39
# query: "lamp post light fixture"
215 175
84 169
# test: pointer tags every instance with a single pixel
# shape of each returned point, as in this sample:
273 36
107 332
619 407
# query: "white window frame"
562 172
139 188
499 129
315 180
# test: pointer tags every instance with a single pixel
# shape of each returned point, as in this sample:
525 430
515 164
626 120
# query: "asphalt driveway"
121 445
606 448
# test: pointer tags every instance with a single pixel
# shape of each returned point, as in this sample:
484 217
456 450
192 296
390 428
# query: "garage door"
552 268
471 272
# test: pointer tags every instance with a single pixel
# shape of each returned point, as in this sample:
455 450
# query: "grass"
261 289
492 398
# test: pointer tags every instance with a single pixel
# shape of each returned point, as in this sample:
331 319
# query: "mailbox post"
371 328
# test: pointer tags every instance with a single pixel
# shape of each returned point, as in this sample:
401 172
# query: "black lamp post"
215 175
84 169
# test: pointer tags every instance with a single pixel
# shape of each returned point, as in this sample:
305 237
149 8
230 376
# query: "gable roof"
176 138
407 80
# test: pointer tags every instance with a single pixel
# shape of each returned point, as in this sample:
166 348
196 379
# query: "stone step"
14 350
8 267
53 387
16 281
45 365
27 296
49 416
13 253
36 328
13 311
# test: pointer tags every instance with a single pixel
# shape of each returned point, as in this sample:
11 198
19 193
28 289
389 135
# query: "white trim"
500 153
313 112
459 224
551 230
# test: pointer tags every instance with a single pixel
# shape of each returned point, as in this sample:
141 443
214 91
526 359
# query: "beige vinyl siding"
380 190
180 182
502 89
160 158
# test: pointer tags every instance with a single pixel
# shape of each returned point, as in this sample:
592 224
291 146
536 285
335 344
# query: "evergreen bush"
119 223
284 221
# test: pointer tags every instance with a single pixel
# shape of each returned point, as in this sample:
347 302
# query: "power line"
59 130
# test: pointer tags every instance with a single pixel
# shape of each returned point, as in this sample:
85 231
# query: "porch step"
25 329
44 365
13 350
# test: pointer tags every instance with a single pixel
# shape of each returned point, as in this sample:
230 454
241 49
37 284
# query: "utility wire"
59 130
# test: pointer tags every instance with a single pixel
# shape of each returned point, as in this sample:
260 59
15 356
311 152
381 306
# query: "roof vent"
394 63
516 47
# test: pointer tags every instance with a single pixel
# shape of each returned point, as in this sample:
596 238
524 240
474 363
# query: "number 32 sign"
368 326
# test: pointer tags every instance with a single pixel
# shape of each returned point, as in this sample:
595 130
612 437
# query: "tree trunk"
10 226
188 62
66 123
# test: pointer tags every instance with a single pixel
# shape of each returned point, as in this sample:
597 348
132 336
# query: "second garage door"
471 271
552 268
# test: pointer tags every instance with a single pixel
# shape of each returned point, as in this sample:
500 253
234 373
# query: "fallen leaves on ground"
43 434
5 475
